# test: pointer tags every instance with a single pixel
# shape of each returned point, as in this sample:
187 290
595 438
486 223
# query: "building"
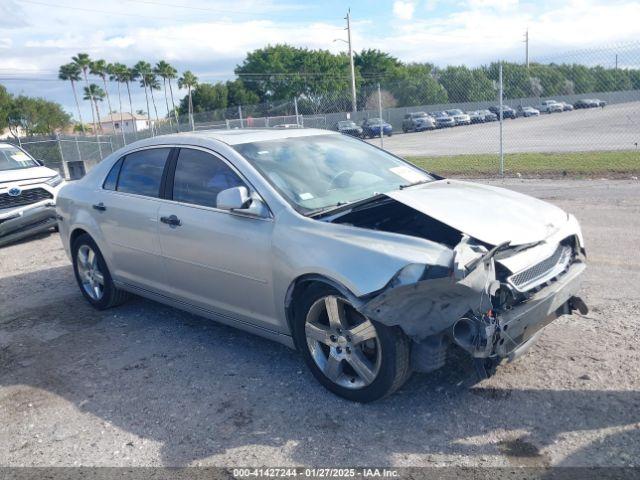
116 122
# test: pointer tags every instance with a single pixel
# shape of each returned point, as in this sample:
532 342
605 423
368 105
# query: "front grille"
27 197
543 271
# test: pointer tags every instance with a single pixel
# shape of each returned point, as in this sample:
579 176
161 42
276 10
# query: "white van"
28 193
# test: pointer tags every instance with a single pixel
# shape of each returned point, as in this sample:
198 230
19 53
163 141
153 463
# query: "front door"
215 259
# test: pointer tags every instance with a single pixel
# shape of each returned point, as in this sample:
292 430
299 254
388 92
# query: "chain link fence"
578 113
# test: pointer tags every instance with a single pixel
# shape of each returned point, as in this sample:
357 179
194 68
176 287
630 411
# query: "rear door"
127 211
216 259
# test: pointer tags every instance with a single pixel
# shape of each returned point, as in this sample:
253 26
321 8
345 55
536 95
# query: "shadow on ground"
202 389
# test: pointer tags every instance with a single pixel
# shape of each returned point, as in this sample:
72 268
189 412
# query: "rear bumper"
521 324
26 221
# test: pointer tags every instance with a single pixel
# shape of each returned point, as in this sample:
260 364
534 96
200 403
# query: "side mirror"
238 199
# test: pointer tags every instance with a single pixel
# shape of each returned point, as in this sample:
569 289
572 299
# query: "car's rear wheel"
352 356
93 276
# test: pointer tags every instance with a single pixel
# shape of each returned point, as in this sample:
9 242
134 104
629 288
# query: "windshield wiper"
402 187
328 208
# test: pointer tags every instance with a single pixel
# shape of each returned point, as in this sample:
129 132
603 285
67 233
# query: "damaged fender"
441 297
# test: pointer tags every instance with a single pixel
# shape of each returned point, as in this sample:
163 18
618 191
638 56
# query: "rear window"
141 172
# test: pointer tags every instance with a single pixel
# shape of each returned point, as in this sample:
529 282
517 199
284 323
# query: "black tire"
394 368
111 295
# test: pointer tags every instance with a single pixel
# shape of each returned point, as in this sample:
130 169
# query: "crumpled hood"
20 174
490 214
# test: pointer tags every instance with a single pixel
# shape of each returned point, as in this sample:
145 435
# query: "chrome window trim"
252 189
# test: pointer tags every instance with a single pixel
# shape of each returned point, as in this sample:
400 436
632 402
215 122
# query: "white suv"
28 192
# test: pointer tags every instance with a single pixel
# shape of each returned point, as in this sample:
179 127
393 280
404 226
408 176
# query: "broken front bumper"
519 324
26 221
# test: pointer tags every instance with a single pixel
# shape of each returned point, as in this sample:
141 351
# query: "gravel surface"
145 384
616 127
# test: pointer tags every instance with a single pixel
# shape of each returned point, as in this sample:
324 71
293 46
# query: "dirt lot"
616 127
145 384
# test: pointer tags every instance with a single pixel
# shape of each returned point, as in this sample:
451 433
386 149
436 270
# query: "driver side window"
200 176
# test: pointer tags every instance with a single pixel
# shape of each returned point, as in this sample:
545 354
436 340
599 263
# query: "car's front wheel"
93 276
352 356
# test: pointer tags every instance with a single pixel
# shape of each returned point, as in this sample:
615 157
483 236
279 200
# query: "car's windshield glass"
419 115
374 121
12 158
454 111
321 171
346 124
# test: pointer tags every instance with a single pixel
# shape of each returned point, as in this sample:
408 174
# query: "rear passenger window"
112 179
141 172
200 176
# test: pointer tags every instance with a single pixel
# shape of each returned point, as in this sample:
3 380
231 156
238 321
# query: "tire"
384 358
93 276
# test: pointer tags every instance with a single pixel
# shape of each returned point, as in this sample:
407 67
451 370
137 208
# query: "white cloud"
403 10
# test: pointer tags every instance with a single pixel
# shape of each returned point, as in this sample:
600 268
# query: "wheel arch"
300 284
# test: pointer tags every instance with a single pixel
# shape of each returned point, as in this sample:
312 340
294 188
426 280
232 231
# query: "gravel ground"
616 127
144 384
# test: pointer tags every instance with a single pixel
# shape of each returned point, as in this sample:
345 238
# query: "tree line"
30 115
318 79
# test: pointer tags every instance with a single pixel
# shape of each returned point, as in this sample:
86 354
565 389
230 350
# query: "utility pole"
353 73
501 118
616 62
526 48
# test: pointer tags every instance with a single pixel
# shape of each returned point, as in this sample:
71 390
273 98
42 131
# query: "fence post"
99 147
501 118
295 106
381 119
65 170
240 116
78 149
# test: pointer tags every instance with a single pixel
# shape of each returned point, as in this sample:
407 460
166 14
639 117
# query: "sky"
210 37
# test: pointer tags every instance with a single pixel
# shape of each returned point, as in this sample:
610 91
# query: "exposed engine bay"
490 300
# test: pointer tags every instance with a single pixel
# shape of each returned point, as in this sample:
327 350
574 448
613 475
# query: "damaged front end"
479 303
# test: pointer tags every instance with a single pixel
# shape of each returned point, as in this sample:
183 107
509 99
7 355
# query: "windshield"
374 121
455 111
346 124
419 115
12 158
321 171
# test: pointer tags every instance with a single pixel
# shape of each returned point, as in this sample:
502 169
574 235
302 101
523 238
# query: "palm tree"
94 93
142 70
116 72
71 72
153 84
83 62
165 71
100 68
189 81
128 75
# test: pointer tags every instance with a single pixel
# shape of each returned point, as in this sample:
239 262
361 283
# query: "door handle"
171 220
99 206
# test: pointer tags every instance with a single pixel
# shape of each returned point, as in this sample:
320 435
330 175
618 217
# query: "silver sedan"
370 267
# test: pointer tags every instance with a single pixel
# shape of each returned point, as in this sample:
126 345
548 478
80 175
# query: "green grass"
587 164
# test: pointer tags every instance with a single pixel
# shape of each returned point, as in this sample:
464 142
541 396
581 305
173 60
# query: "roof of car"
246 135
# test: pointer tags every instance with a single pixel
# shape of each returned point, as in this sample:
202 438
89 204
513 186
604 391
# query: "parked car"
371 128
459 116
476 116
369 266
349 127
566 107
550 106
443 120
527 111
417 122
600 103
489 116
28 192
507 111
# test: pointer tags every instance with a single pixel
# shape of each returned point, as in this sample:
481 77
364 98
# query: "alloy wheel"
343 343
91 278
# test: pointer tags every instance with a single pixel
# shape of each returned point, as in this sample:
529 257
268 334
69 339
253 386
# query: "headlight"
54 181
